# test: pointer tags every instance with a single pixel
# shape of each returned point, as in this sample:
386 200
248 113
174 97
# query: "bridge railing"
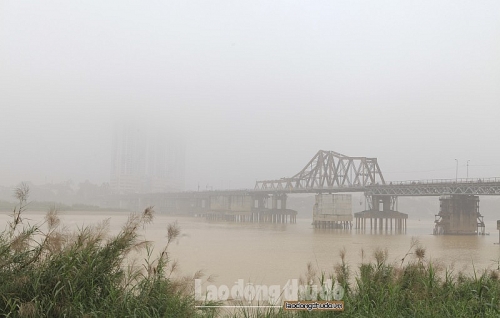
445 181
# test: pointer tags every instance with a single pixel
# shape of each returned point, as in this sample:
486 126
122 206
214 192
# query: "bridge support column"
459 214
382 209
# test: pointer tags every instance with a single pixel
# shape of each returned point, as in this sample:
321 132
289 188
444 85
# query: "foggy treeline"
65 193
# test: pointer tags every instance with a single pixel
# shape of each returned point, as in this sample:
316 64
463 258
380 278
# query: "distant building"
146 160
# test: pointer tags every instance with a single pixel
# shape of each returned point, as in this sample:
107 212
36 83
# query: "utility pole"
456 173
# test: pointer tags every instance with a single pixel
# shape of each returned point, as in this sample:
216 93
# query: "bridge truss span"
437 187
326 171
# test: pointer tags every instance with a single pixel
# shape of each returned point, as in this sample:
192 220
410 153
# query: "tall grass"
414 287
46 271
418 288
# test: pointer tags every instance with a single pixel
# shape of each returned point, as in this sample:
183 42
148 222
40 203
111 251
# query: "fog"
253 88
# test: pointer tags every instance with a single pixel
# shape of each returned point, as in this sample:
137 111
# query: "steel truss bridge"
332 172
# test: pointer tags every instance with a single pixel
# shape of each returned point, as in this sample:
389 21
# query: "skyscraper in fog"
146 160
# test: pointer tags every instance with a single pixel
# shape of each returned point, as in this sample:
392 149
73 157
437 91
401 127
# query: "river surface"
272 254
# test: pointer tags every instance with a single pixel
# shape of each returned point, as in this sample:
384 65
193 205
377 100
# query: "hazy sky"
255 87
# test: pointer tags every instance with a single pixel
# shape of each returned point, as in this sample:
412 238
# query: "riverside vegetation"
415 287
47 272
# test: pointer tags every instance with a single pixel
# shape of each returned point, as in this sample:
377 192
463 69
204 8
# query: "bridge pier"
259 216
332 224
459 214
382 208
262 216
391 222
242 207
279 198
333 211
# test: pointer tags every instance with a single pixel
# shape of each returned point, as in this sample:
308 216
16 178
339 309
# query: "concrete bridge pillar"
281 198
459 214
283 201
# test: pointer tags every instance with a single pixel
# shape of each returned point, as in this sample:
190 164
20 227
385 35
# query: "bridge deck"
437 187
489 186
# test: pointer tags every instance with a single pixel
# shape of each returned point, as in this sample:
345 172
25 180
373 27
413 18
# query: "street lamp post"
468 169
456 172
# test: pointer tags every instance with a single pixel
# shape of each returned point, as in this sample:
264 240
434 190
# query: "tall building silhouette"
146 160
